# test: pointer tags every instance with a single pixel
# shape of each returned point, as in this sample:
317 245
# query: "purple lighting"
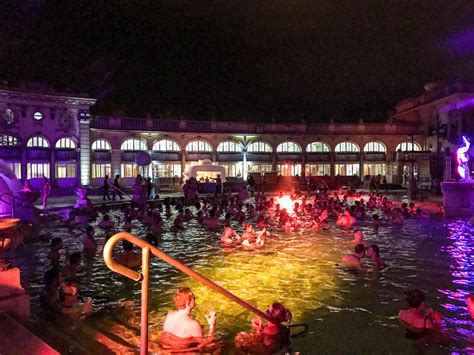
463 159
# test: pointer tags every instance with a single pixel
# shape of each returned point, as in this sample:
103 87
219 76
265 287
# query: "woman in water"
229 236
418 320
270 338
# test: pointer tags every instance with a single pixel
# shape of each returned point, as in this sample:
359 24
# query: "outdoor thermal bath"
346 310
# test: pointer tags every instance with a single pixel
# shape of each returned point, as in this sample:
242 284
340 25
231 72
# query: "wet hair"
415 297
75 257
106 217
182 297
375 217
376 249
279 312
359 248
51 275
56 241
212 213
127 246
89 230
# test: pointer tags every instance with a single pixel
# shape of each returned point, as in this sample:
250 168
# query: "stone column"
274 161
115 161
24 162
244 165
52 166
361 166
332 168
85 145
183 162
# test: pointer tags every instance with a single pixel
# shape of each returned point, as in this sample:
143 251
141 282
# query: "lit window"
101 144
233 170
317 169
260 168
317 147
8 141
37 170
100 170
65 170
16 168
66 143
229 146
129 170
375 147
374 169
408 147
259 147
167 170
198 146
289 169
347 169
166 145
37 142
38 116
133 144
346 147
290 147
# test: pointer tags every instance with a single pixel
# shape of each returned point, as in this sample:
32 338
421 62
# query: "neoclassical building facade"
52 134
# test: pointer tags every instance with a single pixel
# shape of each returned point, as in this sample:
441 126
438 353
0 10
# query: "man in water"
180 331
354 259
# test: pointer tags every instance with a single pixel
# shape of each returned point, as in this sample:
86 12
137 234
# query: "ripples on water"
347 312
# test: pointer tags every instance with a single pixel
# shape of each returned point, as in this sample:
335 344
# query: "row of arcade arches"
167 145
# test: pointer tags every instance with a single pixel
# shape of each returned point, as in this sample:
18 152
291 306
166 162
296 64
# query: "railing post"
144 305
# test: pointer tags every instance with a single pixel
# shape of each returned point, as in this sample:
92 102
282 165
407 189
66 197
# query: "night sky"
257 59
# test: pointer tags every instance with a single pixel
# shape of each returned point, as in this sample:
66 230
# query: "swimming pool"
347 312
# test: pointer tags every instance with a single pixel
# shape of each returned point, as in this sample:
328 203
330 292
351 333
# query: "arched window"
7 140
133 144
259 147
101 144
37 142
408 147
198 146
166 145
66 143
347 147
375 147
289 147
229 146
317 147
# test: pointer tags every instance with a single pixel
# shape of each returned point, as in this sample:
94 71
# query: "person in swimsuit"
354 259
373 252
180 331
418 320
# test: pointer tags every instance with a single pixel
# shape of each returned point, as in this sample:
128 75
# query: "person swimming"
129 258
355 259
229 236
270 338
418 320
346 219
373 252
106 223
358 237
180 331
70 271
55 255
90 245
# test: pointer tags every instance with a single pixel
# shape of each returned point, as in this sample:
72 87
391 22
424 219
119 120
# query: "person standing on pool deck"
45 192
117 188
105 187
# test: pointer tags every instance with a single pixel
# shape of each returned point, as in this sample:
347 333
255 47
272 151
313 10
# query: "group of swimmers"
260 219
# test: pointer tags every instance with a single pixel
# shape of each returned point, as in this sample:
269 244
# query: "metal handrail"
143 277
119 190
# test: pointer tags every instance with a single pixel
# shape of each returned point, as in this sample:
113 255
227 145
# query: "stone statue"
463 160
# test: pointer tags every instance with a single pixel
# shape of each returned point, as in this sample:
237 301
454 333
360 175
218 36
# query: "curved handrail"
143 277
120 190
136 276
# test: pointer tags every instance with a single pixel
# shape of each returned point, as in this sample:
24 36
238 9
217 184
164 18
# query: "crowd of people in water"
259 218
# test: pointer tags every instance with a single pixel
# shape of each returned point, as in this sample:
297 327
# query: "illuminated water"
347 312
